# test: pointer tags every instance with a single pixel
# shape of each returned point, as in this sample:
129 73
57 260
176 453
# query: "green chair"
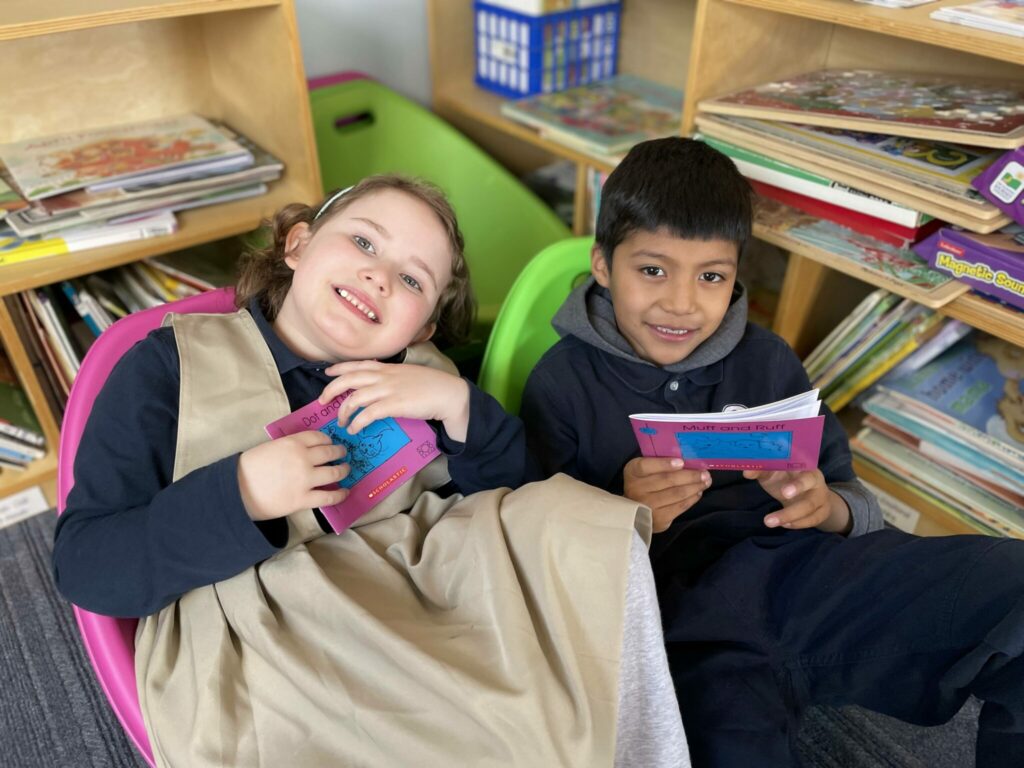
363 128
523 332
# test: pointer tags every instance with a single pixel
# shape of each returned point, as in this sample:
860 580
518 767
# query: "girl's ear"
294 242
599 267
425 334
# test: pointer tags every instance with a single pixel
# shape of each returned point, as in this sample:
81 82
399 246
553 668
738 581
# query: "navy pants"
898 624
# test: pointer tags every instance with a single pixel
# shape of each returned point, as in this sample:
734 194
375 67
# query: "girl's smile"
360 303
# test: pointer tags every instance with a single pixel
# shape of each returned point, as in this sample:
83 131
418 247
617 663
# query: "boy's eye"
412 282
363 243
652 271
712 277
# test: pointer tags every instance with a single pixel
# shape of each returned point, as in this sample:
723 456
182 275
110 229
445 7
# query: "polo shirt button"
673 385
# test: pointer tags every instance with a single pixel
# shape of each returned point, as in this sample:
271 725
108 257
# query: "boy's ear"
426 333
599 267
294 242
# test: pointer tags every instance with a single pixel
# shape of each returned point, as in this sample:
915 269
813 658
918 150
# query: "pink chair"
110 642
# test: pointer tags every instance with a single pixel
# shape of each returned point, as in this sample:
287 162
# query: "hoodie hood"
588 315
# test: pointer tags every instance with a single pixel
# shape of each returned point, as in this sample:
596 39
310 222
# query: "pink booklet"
785 435
382 456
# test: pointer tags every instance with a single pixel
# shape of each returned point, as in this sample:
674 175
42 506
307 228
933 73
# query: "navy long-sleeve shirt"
131 541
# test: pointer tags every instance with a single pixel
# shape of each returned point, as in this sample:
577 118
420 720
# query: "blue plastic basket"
519 55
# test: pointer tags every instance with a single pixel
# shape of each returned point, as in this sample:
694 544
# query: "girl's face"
366 284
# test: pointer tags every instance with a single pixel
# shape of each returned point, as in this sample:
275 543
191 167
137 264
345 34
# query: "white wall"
387 39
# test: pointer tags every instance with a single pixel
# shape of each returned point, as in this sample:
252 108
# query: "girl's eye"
712 277
652 271
412 282
363 243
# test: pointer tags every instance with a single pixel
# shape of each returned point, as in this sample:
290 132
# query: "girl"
473 629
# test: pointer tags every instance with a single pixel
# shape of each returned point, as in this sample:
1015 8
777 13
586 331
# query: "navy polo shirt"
576 408
131 541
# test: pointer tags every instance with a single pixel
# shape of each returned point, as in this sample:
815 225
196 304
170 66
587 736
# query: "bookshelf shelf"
933 521
27 18
91 65
905 23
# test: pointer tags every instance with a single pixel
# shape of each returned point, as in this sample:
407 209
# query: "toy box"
522 54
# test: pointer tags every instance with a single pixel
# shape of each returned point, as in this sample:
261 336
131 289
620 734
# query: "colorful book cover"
977 388
900 265
1002 184
945 164
784 435
46 166
606 117
902 102
382 457
991 264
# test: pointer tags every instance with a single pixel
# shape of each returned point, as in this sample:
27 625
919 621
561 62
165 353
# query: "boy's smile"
669 293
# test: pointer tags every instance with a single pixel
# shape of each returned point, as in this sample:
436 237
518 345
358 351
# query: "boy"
772 599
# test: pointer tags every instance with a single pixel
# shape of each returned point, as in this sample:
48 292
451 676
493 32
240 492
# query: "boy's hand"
806 501
664 486
399 390
284 475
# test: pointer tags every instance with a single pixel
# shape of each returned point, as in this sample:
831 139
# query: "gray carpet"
52 712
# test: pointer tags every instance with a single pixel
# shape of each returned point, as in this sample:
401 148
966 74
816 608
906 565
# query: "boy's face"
669 294
367 282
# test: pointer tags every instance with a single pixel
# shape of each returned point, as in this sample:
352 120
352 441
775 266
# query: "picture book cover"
1002 184
49 165
898 269
10 201
989 113
976 385
605 117
992 264
382 457
784 435
946 164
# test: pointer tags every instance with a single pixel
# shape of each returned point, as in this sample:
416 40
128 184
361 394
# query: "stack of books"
100 187
952 432
59 322
602 119
21 437
886 336
1003 16
854 167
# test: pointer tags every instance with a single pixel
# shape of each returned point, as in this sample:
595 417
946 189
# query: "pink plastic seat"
110 642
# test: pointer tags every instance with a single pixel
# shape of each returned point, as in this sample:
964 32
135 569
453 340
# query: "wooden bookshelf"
712 47
69 64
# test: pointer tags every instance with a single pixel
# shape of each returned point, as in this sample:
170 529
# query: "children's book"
14 249
758 166
1002 183
964 208
10 201
991 264
879 229
1003 16
784 435
899 270
46 166
981 113
382 456
603 118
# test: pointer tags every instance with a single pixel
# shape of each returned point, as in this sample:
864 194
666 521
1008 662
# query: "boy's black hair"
682 185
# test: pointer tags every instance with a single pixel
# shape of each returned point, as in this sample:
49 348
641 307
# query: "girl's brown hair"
264 275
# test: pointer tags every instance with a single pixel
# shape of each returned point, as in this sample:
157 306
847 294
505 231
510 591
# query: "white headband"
330 201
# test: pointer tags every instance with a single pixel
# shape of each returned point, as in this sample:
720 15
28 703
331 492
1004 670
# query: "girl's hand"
285 475
806 501
664 486
399 390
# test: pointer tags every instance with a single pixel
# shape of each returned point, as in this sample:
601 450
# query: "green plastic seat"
523 332
363 128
